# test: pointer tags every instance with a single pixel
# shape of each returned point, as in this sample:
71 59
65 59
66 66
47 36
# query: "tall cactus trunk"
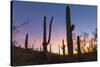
78 46
45 42
26 41
63 47
44 36
69 29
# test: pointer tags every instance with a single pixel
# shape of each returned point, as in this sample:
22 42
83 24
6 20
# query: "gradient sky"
84 17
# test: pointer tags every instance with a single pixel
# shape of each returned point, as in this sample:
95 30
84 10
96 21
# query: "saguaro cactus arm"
49 37
72 27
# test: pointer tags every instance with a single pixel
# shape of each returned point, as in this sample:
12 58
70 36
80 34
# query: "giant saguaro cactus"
78 45
69 28
45 42
63 47
26 41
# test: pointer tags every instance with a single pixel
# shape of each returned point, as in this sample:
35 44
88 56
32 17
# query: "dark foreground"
20 57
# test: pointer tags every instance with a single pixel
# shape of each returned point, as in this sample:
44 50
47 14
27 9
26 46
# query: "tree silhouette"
84 39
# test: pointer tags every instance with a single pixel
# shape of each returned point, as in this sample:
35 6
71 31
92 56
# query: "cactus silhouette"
33 46
78 45
45 42
78 48
63 47
50 48
59 49
69 29
26 41
19 46
40 48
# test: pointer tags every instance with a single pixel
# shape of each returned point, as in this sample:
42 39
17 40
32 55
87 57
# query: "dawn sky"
83 17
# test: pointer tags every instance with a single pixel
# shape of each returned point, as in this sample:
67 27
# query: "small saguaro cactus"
78 45
69 29
26 41
59 49
33 46
19 46
45 42
40 48
50 48
63 47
